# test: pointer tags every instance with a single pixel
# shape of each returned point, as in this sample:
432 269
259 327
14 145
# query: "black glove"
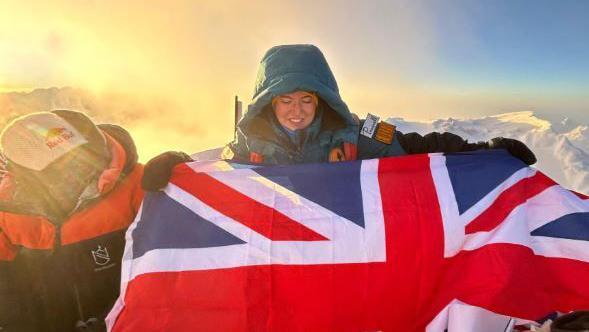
575 321
158 170
91 325
515 147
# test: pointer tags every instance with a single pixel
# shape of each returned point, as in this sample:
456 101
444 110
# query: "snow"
562 147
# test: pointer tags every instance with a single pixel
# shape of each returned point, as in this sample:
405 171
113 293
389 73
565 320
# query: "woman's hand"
158 170
515 147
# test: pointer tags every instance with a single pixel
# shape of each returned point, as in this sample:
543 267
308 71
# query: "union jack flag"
395 244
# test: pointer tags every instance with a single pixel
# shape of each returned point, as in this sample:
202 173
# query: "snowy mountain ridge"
562 147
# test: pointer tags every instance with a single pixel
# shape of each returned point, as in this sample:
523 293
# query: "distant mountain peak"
524 117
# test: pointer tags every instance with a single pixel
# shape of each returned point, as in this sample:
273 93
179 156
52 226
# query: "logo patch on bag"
370 125
40 139
101 256
55 136
385 132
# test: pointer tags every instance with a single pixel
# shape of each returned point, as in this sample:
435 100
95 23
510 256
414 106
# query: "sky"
179 64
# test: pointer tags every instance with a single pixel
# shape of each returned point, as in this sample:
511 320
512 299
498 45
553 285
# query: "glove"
91 325
515 147
575 321
157 171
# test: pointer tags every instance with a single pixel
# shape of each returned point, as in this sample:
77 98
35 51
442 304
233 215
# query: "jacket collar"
111 174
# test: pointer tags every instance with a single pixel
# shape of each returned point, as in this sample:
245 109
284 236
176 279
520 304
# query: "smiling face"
295 110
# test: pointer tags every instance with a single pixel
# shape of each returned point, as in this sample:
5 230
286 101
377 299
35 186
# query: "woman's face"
295 110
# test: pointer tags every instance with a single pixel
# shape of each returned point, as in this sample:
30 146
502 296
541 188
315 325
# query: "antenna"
238 112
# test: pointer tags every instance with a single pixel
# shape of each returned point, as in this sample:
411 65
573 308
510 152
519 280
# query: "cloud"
194 56
173 45
146 120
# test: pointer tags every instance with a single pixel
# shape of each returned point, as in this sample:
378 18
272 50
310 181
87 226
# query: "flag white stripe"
455 238
549 205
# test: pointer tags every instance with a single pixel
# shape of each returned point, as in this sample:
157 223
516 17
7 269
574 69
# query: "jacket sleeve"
369 148
137 194
414 143
12 314
7 250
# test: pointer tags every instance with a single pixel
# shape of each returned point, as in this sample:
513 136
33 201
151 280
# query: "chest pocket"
96 269
91 257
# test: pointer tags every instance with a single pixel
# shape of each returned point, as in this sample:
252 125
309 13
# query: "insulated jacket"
285 69
288 68
56 274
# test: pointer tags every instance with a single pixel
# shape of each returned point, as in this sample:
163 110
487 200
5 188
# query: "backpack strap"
349 153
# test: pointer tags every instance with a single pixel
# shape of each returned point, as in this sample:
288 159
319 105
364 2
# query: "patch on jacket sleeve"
369 126
385 132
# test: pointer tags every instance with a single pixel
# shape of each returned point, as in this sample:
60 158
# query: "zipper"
58 252
57 239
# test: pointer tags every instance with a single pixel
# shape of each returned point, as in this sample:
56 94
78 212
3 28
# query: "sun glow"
169 70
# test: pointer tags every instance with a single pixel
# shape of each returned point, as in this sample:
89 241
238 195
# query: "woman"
298 116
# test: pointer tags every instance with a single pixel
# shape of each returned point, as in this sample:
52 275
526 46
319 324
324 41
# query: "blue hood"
288 68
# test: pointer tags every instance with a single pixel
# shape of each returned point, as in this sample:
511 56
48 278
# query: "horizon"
151 139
